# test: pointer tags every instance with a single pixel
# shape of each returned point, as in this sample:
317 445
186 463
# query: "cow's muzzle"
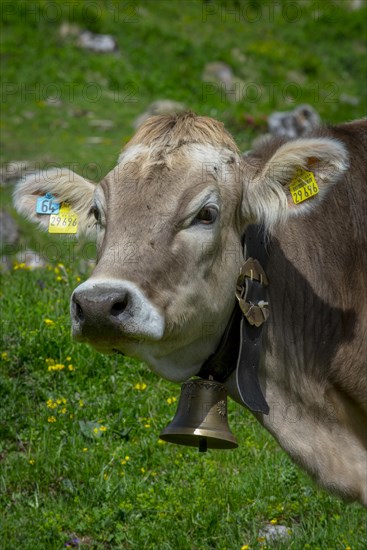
106 313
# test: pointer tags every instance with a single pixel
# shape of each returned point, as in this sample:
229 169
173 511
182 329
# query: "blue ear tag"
46 205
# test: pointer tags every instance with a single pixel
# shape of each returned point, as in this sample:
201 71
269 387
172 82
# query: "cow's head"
169 221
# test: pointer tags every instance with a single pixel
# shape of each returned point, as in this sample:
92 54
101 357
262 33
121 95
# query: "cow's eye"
97 214
207 215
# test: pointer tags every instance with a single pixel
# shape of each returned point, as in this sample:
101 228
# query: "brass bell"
201 417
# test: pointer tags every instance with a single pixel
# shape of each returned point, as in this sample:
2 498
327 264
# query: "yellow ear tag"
303 186
65 222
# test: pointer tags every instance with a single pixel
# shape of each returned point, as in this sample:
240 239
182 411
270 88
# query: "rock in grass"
101 43
30 259
219 78
356 4
9 233
102 124
349 100
275 533
218 72
94 140
294 123
67 30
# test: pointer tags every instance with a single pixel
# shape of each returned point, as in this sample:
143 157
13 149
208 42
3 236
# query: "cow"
170 220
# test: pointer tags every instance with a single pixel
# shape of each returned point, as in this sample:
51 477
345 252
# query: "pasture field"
81 465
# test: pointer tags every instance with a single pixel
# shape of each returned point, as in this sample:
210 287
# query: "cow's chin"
127 347
174 365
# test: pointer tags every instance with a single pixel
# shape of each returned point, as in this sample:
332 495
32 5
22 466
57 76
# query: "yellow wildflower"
49 361
49 322
102 428
51 404
171 400
140 386
245 547
20 265
58 278
68 358
61 401
105 477
58 366
51 419
85 449
4 356
31 461
146 425
57 270
78 279
70 367
142 470
81 403
274 521
63 410
95 430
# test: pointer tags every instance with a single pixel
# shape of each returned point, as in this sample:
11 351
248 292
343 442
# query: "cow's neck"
240 346
316 413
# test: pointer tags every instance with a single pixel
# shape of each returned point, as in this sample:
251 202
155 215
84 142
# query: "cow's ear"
65 187
293 180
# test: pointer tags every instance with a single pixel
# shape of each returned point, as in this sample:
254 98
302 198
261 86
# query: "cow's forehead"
141 161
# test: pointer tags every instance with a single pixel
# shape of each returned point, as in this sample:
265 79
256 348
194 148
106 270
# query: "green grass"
69 479
62 476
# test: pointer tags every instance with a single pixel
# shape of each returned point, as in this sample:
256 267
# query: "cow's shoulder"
354 136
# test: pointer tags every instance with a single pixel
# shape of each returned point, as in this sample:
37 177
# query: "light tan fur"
166 133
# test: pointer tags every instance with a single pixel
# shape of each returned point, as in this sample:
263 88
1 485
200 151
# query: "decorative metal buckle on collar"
256 311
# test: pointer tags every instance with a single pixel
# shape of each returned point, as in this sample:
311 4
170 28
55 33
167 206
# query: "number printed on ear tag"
46 205
65 222
303 186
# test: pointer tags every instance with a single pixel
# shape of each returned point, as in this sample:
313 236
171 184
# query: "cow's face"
169 221
168 240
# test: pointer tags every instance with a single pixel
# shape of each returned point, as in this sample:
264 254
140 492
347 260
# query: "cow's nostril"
119 307
79 311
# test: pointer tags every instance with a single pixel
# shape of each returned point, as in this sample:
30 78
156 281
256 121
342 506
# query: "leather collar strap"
223 362
240 346
247 368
